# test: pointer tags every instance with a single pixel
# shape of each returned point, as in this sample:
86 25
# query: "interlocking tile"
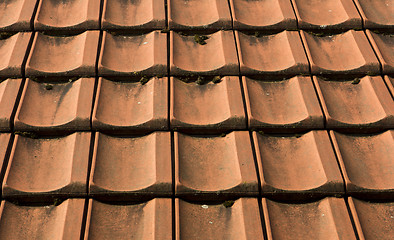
367 163
282 106
207 107
390 84
45 168
55 106
355 105
12 52
144 54
383 44
131 106
67 16
214 166
263 15
210 15
320 220
133 15
192 55
297 167
278 54
42 222
327 14
147 220
15 15
377 14
238 219
347 53
9 89
63 55
127 167
4 142
373 220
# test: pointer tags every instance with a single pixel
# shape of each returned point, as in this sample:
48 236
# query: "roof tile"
13 51
383 44
390 84
9 90
4 142
377 14
15 16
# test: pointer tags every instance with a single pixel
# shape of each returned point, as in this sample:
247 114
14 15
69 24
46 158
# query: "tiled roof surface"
197 119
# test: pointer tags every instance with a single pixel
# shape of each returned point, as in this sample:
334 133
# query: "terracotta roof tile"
383 44
390 84
13 50
4 146
9 89
15 16
377 14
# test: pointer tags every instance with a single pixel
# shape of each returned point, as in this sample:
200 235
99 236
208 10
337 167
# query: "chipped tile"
238 219
9 89
356 105
55 106
44 168
13 50
367 163
383 44
297 167
15 15
277 54
377 14
210 107
289 105
214 167
131 107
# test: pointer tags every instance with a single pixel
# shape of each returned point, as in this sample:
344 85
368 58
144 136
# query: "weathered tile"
320 220
297 167
134 55
67 16
373 220
9 89
377 14
15 15
209 107
131 167
203 15
347 53
383 44
238 219
69 56
277 54
367 163
289 105
213 54
131 107
147 220
263 15
47 168
356 105
327 14
214 167
390 84
55 106
12 52
4 142
42 222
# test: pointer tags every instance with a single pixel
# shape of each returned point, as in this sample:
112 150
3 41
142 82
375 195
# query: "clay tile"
12 52
55 106
9 90
263 15
123 55
277 54
67 16
131 106
42 168
282 106
356 105
127 167
202 15
133 15
327 14
390 84
42 222
367 163
347 53
15 16
320 220
214 167
148 220
4 142
297 167
383 44
213 54
377 14
373 220
53 56
209 107
238 219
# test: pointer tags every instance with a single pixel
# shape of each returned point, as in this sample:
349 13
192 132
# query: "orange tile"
15 16
9 89
12 51
376 14
383 44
